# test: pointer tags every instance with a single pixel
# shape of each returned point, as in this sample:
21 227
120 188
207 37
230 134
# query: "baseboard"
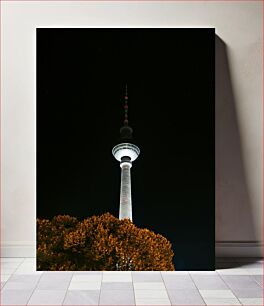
238 249
222 249
18 249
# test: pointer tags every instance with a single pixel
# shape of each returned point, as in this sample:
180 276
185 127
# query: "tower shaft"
125 208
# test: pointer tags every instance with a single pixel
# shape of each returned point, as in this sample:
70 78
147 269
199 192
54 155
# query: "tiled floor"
235 282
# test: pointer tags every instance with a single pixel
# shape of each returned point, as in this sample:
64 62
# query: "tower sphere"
126 150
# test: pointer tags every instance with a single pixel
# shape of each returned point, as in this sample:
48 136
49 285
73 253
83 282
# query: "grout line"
4 284
165 287
231 288
134 293
197 288
67 288
252 276
34 288
10 274
133 287
17 268
100 288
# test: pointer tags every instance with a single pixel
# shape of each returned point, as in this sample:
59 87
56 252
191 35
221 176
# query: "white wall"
238 107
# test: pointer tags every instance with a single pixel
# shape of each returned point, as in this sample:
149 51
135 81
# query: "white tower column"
125 207
125 153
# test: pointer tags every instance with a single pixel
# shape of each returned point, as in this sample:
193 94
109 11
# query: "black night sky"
81 76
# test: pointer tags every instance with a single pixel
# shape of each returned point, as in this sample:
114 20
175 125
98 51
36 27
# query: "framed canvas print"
125 149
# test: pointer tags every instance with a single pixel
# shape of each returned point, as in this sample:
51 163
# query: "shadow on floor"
228 262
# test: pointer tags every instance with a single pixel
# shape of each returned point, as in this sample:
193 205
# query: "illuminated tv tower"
125 152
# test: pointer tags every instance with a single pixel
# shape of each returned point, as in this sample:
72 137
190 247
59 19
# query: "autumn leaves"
100 243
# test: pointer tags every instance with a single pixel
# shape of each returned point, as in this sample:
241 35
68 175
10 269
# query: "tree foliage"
100 243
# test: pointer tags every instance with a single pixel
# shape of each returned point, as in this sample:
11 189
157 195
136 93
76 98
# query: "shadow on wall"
234 216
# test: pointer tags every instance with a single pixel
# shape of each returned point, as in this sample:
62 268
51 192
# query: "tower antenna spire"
126 107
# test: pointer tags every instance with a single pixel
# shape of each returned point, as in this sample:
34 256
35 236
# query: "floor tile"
11 259
160 302
29 265
53 284
111 277
30 259
146 277
20 285
27 268
251 301
12 265
8 270
87 297
88 272
240 282
27 272
117 286
217 294
185 297
54 281
209 282
117 297
248 293
203 273
59 273
117 272
87 278
151 294
56 276
148 272
232 271
5 277
254 271
178 282
47 297
221 301
149 285
24 278
177 273
85 286
15 297
244 278
258 279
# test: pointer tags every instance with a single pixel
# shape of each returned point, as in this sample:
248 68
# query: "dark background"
81 75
